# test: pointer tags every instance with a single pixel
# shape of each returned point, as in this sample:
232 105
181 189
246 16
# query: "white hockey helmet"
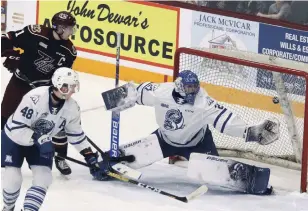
65 80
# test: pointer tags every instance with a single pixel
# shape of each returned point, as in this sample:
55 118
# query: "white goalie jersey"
35 113
183 125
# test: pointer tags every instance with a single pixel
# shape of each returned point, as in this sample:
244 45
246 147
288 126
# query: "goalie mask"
65 81
64 24
187 85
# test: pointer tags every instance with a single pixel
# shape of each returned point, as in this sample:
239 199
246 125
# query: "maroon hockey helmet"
63 18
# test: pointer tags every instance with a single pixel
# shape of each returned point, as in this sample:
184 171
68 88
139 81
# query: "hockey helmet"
66 81
62 20
187 85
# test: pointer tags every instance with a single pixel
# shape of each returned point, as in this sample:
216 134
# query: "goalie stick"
127 158
118 167
115 116
198 192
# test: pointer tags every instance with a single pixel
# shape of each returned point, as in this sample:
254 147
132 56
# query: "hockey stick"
23 76
200 191
73 160
118 167
127 158
115 118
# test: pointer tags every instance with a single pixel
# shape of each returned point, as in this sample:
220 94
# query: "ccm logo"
14 57
149 187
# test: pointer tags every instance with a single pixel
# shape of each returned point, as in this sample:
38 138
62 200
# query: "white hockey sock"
34 198
9 199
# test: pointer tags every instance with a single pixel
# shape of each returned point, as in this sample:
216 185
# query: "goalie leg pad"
146 151
229 174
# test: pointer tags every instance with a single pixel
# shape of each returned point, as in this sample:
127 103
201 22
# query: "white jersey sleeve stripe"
225 123
141 97
18 127
218 117
17 123
74 135
142 87
138 87
79 142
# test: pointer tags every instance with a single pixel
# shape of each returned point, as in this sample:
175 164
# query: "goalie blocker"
120 98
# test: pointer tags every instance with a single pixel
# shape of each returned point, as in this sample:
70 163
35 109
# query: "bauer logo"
114 138
148 32
131 144
216 159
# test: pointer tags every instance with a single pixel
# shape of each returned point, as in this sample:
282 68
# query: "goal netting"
256 87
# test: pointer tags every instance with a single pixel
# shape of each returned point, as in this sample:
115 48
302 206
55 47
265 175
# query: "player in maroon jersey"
44 50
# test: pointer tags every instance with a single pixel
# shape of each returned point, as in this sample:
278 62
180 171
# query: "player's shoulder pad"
69 46
164 88
35 95
73 106
39 30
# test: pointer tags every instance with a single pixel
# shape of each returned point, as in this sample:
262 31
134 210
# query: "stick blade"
200 191
127 171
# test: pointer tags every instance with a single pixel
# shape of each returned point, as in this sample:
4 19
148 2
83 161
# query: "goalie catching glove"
263 133
120 98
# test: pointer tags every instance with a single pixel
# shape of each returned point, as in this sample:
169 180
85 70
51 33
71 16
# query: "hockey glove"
95 169
12 60
43 142
264 133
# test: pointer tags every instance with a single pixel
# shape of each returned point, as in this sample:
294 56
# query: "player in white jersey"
42 113
183 112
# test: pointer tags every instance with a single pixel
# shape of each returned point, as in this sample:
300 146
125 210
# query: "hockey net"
256 87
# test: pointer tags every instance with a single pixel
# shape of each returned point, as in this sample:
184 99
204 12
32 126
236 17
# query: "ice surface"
79 192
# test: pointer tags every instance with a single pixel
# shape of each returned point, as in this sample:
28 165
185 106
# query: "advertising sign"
214 31
287 44
283 42
149 32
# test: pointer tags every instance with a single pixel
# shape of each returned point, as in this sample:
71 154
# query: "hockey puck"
275 100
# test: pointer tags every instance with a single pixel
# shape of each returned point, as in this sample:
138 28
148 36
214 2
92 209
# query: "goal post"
255 87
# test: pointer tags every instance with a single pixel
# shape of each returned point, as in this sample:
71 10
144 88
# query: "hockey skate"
63 167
